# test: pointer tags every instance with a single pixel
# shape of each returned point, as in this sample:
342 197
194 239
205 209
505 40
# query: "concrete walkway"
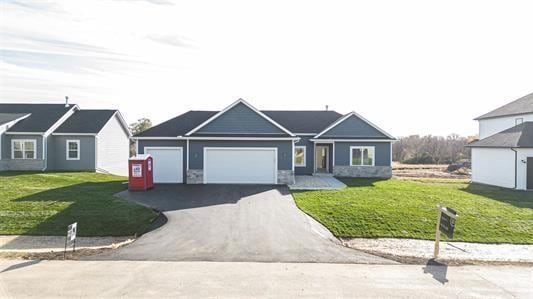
16 243
134 279
233 223
310 182
452 251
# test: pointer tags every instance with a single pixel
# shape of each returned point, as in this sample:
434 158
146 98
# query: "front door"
321 159
530 173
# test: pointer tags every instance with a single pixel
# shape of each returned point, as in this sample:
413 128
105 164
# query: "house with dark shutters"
241 144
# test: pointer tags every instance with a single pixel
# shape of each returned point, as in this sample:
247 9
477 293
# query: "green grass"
407 209
45 203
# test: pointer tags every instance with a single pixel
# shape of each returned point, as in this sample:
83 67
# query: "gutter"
515 167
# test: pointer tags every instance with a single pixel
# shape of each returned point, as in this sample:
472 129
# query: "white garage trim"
148 148
273 149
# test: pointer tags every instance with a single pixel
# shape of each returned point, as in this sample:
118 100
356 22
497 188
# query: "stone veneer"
21 165
363 171
195 176
285 177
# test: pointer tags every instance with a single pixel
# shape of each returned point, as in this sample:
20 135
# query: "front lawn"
45 203
406 209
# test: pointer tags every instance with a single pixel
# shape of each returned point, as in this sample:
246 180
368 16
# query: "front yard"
45 203
406 209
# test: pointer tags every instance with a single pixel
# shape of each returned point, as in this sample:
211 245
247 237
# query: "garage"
168 164
240 165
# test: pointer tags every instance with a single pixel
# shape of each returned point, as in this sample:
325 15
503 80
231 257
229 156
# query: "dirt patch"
427 171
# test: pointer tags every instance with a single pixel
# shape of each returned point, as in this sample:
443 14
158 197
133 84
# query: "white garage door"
168 164
240 165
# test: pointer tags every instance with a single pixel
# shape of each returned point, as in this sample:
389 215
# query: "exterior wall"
491 126
7 163
6 145
493 166
196 157
309 159
353 127
113 148
382 168
57 153
240 119
169 143
521 167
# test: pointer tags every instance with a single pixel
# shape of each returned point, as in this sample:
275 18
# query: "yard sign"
445 225
72 230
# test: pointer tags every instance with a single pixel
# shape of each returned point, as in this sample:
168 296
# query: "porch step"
323 174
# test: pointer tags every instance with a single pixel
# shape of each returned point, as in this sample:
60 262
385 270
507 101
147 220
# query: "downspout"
515 168
45 152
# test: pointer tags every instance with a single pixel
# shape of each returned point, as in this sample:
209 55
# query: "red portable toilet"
141 173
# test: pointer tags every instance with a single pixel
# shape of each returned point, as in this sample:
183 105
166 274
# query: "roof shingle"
521 106
86 121
42 117
515 137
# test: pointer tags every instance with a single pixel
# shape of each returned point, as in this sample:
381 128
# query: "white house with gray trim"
241 144
50 137
504 154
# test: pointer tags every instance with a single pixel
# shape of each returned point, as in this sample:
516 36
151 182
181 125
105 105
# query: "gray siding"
57 153
354 127
6 144
240 119
383 152
169 143
196 158
309 159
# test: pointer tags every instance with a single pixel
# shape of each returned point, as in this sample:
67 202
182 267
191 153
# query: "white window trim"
362 148
34 141
77 141
519 121
305 155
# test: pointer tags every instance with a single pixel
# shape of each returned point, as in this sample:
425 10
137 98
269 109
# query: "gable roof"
239 101
9 117
86 121
42 116
515 137
346 117
304 121
179 125
523 105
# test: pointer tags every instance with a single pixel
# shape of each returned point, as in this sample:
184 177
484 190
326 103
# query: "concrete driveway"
241 223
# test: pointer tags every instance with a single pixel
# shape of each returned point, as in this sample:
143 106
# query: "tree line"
430 149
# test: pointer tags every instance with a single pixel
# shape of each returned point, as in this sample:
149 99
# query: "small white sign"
149 165
72 230
136 170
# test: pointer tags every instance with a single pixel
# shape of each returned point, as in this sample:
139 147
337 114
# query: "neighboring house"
504 154
62 137
241 144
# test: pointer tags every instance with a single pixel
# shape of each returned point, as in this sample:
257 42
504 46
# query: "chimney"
66 102
327 107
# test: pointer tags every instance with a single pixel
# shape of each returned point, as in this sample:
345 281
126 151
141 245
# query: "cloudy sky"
412 67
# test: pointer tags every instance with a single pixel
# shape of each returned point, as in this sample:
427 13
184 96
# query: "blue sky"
412 67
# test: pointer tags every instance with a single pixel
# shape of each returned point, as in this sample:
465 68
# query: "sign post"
445 225
71 238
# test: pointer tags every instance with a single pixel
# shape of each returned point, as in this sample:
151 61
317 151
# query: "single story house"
504 154
62 137
241 144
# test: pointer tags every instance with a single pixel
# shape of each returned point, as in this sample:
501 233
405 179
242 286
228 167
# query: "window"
299 156
23 149
362 155
73 149
519 121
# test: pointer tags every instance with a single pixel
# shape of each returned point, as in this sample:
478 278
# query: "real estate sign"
447 222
